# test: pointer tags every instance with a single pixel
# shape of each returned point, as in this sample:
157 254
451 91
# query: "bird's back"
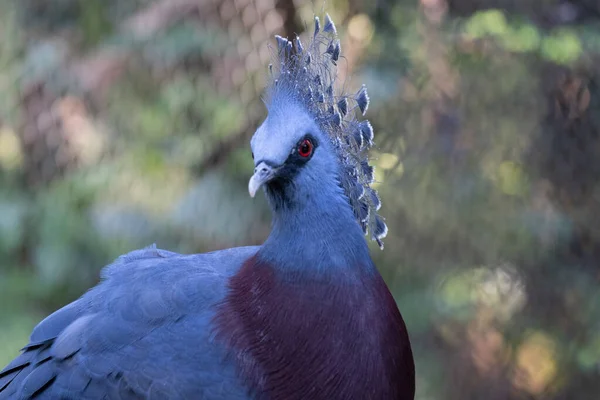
144 332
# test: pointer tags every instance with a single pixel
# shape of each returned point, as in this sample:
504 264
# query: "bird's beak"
263 173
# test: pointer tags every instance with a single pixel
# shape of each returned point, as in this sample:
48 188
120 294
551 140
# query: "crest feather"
367 132
307 73
281 43
329 25
336 52
299 47
343 106
330 48
362 99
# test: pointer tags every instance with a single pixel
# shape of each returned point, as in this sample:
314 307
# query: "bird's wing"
143 332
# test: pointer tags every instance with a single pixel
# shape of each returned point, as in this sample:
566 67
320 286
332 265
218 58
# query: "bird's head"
311 147
294 159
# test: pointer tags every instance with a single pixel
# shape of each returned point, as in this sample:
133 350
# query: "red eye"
305 148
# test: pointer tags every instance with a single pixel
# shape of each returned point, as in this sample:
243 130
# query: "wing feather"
143 333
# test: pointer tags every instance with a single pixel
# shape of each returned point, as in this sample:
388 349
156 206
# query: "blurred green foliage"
487 118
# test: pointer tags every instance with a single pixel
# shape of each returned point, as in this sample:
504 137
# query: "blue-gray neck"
317 233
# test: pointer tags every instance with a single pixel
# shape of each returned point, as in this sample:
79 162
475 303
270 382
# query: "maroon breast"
316 339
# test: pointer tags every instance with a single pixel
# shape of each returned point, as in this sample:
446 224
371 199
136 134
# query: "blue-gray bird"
304 316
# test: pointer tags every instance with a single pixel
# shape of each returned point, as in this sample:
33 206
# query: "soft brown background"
126 122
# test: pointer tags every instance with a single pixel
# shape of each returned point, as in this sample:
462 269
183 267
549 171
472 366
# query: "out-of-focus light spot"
250 15
85 140
239 76
536 363
273 21
487 344
241 3
502 291
264 51
247 91
497 289
360 28
489 22
253 61
588 356
563 47
456 291
387 160
10 149
522 38
511 179
257 34
227 10
264 5
244 46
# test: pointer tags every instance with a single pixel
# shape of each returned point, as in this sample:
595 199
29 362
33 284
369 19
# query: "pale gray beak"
263 173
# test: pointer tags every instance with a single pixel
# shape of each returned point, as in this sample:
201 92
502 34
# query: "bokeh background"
127 122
